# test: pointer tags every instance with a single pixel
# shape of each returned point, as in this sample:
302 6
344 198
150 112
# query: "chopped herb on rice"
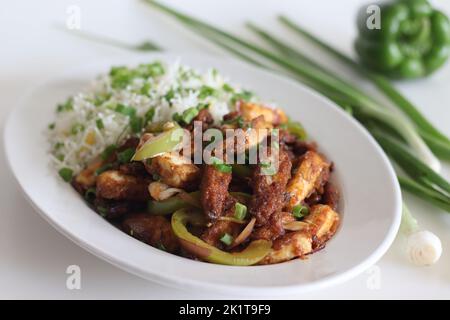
125 100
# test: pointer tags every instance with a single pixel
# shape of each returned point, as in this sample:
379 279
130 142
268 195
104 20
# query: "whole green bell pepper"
412 39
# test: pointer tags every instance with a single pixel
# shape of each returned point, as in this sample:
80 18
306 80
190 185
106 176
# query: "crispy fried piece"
114 209
269 190
214 191
134 168
174 170
331 196
249 111
205 117
323 222
310 175
115 185
87 177
274 228
153 230
218 228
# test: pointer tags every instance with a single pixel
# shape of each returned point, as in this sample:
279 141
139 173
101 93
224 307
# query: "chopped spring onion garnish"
127 111
104 168
102 211
240 211
66 174
90 194
109 150
76 128
219 165
227 239
99 123
126 155
299 211
187 116
136 124
161 247
296 129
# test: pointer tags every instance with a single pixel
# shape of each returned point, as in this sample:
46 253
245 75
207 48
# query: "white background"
34 257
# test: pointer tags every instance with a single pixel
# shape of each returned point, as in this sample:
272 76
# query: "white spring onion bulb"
423 247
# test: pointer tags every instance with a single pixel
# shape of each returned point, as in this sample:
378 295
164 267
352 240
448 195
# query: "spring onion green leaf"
125 110
66 174
109 150
103 168
125 156
240 211
90 194
299 211
136 124
219 165
99 124
227 239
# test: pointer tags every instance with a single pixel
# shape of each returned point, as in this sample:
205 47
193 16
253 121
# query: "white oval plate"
370 205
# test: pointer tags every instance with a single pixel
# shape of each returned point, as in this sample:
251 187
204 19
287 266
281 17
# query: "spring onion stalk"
318 78
423 247
411 165
143 46
380 81
370 106
428 194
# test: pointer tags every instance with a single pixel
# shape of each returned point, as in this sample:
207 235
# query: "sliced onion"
232 219
161 191
244 234
296 225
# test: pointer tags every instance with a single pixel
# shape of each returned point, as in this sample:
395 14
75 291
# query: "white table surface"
34 256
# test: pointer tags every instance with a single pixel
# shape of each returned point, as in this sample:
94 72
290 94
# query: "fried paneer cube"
322 223
174 170
153 230
115 185
311 173
250 111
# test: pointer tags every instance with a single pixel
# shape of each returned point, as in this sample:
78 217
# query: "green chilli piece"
413 39
255 251
166 141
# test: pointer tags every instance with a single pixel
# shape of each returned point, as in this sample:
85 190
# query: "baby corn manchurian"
320 226
219 227
153 230
269 189
258 205
310 175
214 191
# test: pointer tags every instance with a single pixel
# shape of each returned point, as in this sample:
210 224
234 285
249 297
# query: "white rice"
76 137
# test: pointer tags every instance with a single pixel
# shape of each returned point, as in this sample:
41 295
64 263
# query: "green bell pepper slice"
255 251
170 205
413 39
164 142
